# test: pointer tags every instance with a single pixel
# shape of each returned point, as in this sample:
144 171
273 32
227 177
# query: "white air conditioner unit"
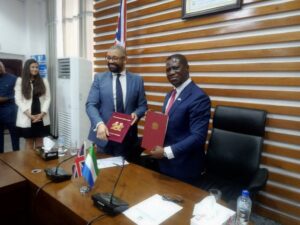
73 84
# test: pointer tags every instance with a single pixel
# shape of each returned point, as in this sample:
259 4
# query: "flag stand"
85 188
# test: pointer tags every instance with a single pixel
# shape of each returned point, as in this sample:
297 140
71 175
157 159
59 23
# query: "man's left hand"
157 152
134 117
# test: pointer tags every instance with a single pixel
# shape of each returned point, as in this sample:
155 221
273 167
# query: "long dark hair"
39 86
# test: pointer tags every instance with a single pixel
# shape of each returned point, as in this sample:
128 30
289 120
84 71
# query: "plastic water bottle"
60 145
243 210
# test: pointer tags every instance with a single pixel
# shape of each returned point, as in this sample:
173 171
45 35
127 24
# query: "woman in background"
32 94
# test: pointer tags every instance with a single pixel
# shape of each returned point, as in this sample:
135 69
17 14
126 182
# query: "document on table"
110 162
152 211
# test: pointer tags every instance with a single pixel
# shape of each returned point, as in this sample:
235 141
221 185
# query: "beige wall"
248 57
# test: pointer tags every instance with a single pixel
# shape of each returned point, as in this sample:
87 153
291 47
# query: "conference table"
62 203
12 196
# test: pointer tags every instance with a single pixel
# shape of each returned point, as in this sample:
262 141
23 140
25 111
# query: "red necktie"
171 101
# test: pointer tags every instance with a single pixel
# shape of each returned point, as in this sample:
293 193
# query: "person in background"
188 108
33 99
116 90
8 108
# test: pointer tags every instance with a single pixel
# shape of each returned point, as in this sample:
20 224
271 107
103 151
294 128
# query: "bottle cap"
245 193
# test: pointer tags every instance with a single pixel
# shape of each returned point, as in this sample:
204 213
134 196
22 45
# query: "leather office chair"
234 152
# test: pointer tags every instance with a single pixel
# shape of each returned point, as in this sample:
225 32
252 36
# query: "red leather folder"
154 130
118 126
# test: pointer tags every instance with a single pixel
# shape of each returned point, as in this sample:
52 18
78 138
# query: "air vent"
64 68
64 128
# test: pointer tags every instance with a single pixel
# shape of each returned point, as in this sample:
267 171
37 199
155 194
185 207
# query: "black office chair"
234 152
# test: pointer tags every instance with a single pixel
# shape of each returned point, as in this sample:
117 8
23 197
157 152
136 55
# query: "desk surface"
135 185
9 176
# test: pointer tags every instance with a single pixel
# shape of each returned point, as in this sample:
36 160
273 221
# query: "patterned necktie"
171 101
119 95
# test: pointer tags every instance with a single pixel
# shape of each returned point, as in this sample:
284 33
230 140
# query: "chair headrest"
241 120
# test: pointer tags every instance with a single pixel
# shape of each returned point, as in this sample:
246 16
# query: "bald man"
116 90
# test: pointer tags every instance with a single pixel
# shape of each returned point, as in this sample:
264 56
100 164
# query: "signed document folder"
154 130
118 126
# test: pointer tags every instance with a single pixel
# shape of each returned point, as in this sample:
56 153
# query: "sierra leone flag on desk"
90 169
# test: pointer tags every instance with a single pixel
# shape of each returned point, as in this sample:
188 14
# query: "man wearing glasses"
116 90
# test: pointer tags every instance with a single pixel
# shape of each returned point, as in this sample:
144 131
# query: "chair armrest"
258 181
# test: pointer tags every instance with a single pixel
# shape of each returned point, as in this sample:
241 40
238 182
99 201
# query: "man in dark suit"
8 108
116 90
188 107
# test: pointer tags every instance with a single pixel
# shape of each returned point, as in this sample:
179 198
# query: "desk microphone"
57 174
107 202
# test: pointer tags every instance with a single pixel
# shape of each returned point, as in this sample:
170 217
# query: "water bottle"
60 145
243 210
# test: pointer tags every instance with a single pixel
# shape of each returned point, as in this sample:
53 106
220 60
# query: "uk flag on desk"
79 162
120 38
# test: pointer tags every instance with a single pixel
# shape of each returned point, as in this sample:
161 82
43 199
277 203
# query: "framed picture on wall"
192 8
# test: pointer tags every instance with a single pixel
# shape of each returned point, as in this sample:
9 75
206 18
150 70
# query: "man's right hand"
102 132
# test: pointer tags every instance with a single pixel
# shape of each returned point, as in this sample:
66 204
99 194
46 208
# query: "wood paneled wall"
248 57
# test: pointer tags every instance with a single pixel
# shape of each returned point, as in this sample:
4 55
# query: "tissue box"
52 154
224 216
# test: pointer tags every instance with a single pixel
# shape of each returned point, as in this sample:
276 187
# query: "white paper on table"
110 162
152 211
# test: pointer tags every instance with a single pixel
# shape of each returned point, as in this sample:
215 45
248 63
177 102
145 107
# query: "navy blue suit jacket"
8 109
186 133
100 105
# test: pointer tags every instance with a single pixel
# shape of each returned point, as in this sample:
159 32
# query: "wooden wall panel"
281 151
281 218
232 42
242 27
285 179
243 54
247 58
285 193
279 205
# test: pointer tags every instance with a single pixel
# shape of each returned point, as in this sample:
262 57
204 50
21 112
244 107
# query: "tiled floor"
256 219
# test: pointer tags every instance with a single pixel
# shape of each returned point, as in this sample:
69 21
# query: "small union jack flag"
120 38
79 162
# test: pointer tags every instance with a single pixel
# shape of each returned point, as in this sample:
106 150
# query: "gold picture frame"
193 8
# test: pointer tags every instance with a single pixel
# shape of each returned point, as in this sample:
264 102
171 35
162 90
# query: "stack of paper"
152 211
110 162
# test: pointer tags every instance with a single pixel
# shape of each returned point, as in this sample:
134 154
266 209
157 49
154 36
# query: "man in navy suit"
104 99
8 108
188 107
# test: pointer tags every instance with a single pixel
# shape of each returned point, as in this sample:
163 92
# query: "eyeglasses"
114 58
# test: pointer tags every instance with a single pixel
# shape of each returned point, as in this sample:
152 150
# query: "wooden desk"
9 177
62 203
13 195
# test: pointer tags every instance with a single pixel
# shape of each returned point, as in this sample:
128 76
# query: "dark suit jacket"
100 106
186 133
